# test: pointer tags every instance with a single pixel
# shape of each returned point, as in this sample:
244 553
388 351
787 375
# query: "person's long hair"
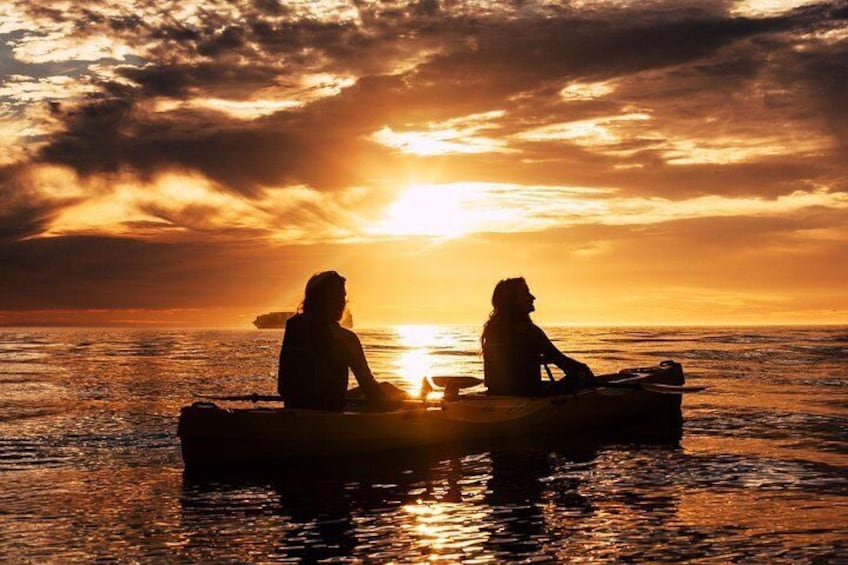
324 297
505 308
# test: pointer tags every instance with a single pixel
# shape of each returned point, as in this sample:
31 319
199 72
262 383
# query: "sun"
429 210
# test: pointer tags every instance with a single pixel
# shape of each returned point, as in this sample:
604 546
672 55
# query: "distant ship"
277 320
272 320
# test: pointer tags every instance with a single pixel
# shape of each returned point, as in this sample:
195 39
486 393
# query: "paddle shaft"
649 387
246 397
276 398
653 387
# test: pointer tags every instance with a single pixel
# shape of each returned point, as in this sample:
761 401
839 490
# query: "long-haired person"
514 348
317 352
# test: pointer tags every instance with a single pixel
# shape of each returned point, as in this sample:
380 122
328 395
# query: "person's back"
314 365
511 358
317 352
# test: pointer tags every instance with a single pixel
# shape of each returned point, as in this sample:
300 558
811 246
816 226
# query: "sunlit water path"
90 466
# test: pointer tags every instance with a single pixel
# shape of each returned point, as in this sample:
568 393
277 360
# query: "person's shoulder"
345 333
294 321
530 328
348 339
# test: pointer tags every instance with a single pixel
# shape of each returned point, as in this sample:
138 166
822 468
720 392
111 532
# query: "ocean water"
90 468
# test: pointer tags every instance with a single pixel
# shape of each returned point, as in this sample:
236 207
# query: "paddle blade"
456 381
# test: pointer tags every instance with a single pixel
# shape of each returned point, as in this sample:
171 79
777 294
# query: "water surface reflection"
90 466
504 504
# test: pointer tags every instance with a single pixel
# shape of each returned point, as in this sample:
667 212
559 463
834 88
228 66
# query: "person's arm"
361 370
550 354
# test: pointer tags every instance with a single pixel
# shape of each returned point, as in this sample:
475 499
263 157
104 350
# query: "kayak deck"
213 436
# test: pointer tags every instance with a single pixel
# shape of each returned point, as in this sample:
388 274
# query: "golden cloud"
457 135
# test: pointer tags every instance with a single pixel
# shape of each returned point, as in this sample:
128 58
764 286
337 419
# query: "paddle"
653 387
254 397
658 388
452 383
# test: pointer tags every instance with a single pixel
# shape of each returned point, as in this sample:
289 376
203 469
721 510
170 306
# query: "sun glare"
427 210
414 366
417 362
417 335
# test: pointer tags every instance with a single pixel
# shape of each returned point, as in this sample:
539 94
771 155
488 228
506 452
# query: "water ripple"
91 468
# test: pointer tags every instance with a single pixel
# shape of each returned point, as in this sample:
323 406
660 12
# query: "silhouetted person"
514 348
317 352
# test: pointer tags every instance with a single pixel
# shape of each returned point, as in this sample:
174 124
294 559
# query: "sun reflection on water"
446 530
420 335
447 521
417 362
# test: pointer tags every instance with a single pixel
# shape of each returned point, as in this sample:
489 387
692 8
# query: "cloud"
56 273
719 269
507 57
461 208
30 199
275 123
457 135
184 206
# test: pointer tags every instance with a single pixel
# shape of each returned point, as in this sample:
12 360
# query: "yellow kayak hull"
213 436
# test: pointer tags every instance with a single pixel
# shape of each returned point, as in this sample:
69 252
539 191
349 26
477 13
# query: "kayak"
214 436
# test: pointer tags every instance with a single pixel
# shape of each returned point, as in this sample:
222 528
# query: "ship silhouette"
277 320
272 320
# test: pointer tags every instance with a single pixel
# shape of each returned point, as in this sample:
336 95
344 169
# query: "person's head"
325 296
512 298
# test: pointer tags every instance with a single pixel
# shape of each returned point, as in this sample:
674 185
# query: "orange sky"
651 163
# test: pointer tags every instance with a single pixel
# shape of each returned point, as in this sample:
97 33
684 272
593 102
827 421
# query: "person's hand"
393 393
578 367
386 396
581 374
